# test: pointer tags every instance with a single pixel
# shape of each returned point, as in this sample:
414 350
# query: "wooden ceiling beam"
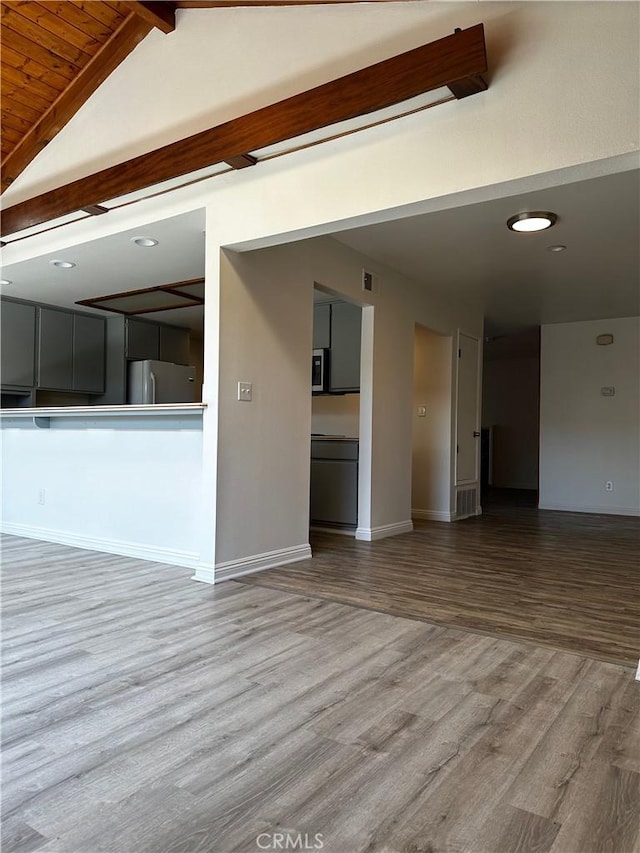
226 4
159 13
457 60
132 30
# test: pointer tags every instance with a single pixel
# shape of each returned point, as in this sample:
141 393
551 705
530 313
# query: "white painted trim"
432 514
204 574
369 534
258 562
638 672
595 510
137 550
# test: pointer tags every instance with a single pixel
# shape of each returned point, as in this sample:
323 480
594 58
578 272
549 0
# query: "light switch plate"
244 392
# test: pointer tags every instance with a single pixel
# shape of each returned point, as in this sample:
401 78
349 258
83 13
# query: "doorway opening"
431 472
510 420
335 413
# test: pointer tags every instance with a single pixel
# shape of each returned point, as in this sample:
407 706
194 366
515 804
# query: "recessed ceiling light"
5 281
558 248
62 265
531 221
145 242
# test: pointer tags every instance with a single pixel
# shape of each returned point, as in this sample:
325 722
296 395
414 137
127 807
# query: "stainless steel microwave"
319 370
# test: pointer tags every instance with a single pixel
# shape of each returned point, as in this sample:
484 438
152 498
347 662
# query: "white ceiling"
114 264
465 253
468 253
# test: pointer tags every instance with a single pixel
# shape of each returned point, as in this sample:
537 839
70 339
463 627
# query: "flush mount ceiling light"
144 242
526 223
5 281
62 265
558 248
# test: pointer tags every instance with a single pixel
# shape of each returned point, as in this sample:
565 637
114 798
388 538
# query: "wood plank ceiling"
54 56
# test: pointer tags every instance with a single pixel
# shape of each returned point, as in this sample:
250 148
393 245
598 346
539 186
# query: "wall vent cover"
466 503
367 281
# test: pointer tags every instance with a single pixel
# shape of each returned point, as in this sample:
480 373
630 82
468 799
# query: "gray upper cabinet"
88 354
18 339
55 350
174 344
142 340
322 326
346 330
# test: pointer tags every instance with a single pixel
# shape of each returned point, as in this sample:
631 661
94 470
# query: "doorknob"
476 434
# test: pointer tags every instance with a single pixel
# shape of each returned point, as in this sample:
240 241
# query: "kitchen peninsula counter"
124 479
93 412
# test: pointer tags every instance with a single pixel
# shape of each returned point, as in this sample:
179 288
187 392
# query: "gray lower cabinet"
334 483
88 354
17 344
142 340
346 332
55 350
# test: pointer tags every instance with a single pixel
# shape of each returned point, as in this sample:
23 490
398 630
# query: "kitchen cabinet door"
346 324
88 354
334 492
55 350
18 343
143 340
322 326
174 344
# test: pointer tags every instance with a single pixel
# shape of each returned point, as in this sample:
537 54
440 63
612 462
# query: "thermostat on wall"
608 391
604 340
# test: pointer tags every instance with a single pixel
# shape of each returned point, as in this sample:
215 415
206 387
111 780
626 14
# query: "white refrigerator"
150 382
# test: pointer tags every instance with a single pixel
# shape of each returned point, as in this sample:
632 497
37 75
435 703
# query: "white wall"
510 393
431 464
123 486
264 447
266 318
585 438
337 414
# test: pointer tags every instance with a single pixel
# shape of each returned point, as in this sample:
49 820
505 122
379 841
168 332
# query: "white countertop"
160 409
316 437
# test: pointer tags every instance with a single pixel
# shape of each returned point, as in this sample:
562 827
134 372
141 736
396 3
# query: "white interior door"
468 406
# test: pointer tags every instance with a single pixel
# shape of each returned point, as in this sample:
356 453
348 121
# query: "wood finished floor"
144 713
566 580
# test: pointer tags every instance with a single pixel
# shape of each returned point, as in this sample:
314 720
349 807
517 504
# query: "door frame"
476 479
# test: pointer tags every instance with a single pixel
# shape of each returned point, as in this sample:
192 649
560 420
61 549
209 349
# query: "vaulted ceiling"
56 54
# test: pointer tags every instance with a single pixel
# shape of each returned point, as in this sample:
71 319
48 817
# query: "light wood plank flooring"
565 580
144 713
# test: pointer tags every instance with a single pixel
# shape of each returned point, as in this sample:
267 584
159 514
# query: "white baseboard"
638 672
369 534
258 563
595 510
204 574
432 514
154 554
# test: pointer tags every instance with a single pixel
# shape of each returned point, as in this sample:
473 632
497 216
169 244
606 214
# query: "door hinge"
459 353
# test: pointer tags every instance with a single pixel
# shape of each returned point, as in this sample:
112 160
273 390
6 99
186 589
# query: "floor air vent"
465 503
